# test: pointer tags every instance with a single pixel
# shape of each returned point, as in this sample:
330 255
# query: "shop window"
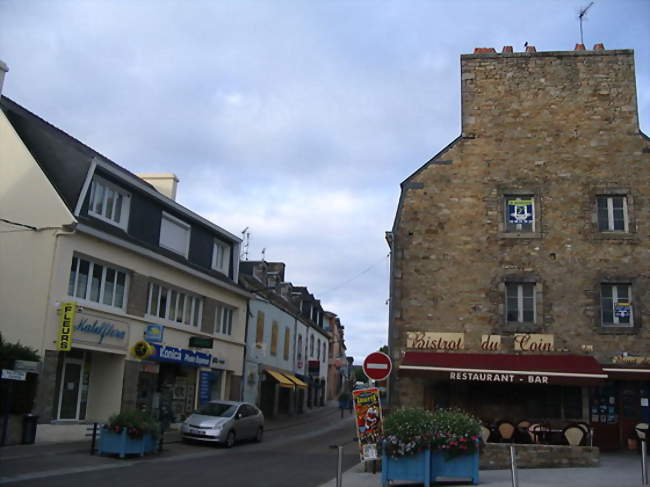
109 203
616 304
285 348
174 306
97 282
612 213
224 318
220 256
174 234
259 332
520 302
274 338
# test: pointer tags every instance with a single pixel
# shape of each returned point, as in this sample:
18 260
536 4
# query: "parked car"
224 422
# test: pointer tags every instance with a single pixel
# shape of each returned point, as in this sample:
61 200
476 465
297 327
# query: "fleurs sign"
435 341
64 335
525 342
95 329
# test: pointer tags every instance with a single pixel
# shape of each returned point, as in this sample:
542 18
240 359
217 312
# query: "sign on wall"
205 385
491 343
153 333
96 329
66 319
419 340
165 353
520 211
627 360
526 342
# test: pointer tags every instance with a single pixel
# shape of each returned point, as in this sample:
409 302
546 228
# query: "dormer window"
109 203
174 235
221 256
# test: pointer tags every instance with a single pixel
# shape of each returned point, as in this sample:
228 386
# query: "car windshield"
218 409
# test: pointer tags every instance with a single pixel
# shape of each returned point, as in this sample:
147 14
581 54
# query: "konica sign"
165 353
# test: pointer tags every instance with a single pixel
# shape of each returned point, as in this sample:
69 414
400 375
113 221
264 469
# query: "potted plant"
129 432
419 445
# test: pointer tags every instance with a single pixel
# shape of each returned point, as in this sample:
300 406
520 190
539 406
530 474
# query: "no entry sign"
377 366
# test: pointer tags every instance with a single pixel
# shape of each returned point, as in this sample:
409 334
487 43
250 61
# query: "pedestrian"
344 400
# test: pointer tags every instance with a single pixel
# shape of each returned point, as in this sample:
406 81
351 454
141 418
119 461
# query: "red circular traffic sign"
377 366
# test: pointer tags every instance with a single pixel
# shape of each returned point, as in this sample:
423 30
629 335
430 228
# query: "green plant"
410 430
136 423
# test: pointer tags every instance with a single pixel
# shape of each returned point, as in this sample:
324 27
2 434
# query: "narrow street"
296 455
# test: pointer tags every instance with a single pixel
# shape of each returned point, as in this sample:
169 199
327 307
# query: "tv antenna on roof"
581 16
246 237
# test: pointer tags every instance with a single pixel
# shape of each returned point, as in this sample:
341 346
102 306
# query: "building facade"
131 299
338 373
520 270
279 376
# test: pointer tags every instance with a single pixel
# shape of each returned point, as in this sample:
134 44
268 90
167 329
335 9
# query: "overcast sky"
296 119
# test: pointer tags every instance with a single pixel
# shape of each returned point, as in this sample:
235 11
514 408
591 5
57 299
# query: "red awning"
624 372
503 367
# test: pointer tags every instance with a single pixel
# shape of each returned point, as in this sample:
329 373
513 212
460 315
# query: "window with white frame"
519 213
616 304
318 350
97 282
174 234
221 256
109 203
223 319
172 305
311 346
520 302
612 213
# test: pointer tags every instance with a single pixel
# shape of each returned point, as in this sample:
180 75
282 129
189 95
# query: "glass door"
69 393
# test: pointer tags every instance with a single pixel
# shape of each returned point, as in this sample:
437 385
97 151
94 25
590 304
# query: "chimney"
599 47
579 47
483 50
164 183
531 49
3 70
506 49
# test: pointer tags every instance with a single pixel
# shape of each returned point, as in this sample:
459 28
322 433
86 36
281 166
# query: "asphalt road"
296 456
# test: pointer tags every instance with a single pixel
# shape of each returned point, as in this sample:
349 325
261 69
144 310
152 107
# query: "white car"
224 422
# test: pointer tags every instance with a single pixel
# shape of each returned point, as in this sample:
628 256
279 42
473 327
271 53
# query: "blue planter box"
122 444
426 466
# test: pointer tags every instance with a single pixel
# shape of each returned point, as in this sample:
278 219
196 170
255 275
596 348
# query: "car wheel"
230 439
259 435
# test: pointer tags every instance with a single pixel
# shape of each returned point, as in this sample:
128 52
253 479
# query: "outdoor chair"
589 433
506 430
574 434
485 433
641 430
538 432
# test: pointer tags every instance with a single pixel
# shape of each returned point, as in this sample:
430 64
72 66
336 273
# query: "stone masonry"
562 127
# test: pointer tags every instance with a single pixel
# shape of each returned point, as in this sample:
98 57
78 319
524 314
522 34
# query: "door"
69 393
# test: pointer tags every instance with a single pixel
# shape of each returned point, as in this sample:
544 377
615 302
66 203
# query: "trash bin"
29 428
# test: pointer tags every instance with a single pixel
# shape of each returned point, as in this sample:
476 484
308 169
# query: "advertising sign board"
64 334
369 422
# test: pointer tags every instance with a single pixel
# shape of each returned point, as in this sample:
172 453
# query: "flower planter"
426 466
122 444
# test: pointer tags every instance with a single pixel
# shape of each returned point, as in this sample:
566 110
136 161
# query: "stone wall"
561 127
497 456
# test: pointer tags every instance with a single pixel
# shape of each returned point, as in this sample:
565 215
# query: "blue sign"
205 385
165 353
622 310
520 211
154 333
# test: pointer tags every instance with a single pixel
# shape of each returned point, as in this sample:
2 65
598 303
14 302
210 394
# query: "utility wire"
19 224
338 286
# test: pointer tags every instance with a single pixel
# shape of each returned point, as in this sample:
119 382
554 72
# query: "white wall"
105 387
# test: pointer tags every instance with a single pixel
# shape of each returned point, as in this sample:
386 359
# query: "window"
519 213
616 304
274 338
259 332
318 350
311 346
174 235
99 283
221 257
612 213
324 353
223 319
299 347
109 203
520 302
172 305
285 352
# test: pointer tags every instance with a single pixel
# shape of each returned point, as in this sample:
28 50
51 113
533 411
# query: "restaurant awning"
281 379
627 372
295 380
508 368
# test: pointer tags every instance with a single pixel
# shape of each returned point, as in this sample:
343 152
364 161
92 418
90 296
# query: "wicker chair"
574 434
506 430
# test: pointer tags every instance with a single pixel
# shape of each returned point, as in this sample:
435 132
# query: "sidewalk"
615 470
22 462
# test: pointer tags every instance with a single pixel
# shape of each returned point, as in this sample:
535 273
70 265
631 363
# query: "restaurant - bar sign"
525 342
419 340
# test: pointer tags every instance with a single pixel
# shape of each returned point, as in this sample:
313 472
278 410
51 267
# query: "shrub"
410 430
136 423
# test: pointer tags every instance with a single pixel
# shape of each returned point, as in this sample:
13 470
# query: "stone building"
520 253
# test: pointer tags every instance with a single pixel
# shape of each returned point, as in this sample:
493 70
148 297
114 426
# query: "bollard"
339 468
644 469
94 439
513 466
